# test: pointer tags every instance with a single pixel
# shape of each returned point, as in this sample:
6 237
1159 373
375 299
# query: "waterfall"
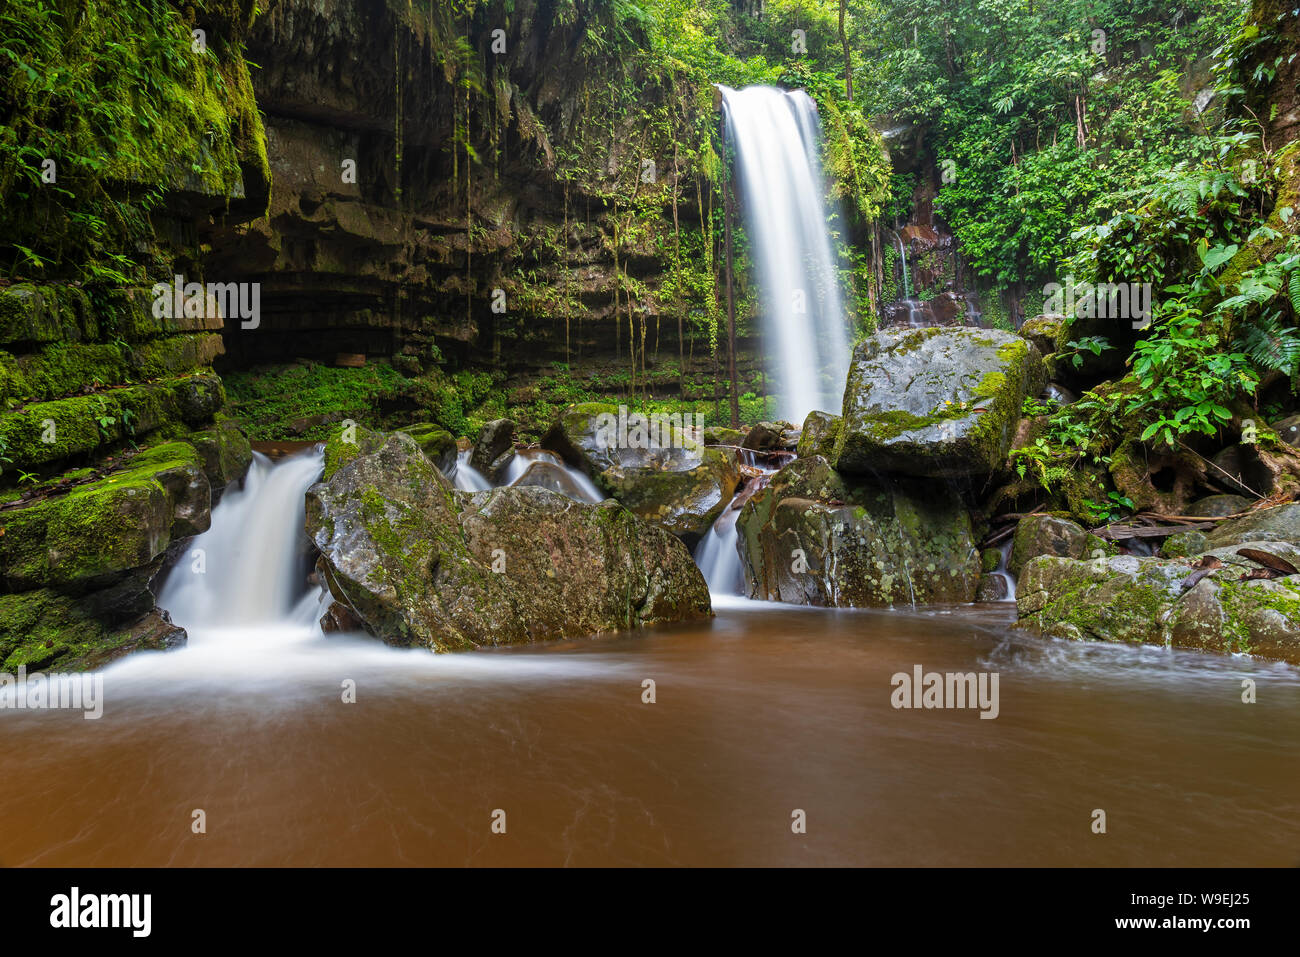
718 557
249 567
902 257
776 139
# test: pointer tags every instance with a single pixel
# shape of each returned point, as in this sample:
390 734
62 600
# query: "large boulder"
106 528
655 467
1167 602
815 537
935 402
421 564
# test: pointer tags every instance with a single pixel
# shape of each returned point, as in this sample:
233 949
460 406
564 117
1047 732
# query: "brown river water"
760 712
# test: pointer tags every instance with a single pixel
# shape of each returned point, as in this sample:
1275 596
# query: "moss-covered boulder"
1166 602
1046 535
1047 333
935 402
46 629
423 565
225 453
815 537
108 527
820 430
654 466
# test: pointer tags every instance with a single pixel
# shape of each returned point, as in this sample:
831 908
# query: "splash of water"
776 138
250 567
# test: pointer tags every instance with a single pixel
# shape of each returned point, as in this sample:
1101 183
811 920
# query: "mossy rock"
105 528
721 435
653 466
60 369
47 630
225 452
816 537
32 315
935 402
1045 535
422 565
820 432
1047 333
437 443
1157 601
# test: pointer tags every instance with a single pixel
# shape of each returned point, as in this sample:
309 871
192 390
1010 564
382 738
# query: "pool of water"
763 712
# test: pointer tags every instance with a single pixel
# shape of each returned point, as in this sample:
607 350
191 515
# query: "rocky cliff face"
439 202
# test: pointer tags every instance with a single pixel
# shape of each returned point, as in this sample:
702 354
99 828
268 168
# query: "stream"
762 711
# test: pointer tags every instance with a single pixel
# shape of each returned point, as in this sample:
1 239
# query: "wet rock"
1045 535
423 565
820 430
992 587
1058 393
1166 602
494 449
652 466
1288 429
106 528
550 476
815 537
935 402
763 437
990 559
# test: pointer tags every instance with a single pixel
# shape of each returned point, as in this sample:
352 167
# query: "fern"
1272 346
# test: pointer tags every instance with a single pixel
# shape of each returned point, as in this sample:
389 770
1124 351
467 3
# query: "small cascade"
1005 548
250 567
468 478
718 555
902 258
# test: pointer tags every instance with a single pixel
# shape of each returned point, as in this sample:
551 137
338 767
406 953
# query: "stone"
1156 601
423 565
820 431
815 537
663 474
935 402
1045 535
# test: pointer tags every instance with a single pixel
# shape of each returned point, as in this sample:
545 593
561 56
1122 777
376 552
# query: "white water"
718 556
776 139
249 567
902 257
468 478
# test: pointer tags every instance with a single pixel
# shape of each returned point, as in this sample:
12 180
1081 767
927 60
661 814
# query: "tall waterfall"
776 137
